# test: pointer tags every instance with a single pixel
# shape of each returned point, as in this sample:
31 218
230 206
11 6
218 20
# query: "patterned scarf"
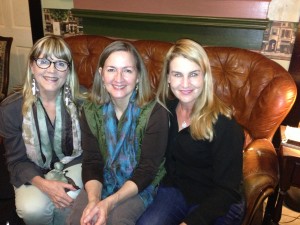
36 147
122 146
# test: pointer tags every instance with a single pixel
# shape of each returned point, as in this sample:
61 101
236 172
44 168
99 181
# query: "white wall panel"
284 10
15 22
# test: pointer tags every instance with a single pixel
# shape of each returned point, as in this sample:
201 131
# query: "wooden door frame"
36 19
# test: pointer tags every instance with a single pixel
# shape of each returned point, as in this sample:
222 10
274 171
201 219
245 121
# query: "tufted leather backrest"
260 90
86 50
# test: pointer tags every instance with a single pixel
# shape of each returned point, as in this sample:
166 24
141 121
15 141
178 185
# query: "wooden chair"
5 46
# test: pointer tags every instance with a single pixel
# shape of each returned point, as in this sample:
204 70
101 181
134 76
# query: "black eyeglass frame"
50 62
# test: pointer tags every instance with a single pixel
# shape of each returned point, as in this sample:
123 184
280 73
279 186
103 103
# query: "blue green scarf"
122 146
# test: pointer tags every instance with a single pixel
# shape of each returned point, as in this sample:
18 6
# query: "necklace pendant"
183 125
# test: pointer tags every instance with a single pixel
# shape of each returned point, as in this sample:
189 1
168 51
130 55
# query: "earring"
137 87
34 88
67 94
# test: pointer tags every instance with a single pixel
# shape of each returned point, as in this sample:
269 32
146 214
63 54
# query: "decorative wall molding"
235 32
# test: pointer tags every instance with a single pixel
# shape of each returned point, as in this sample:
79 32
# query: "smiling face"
119 75
50 80
186 80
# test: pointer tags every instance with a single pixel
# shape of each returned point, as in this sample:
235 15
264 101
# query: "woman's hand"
55 191
90 213
96 213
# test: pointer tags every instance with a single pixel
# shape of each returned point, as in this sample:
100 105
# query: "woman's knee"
32 203
34 213
35 207
127 212
168 207
149 219
155 215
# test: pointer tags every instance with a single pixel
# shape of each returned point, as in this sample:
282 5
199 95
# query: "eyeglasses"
46 63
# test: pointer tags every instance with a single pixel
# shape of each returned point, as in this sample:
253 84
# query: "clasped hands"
96 212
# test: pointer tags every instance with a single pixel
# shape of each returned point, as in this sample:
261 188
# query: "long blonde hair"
99 94
49 46
207 106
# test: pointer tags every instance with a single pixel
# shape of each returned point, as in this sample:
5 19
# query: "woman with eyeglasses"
42 135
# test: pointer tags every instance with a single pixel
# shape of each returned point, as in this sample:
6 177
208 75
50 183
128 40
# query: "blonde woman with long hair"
42 137
204 154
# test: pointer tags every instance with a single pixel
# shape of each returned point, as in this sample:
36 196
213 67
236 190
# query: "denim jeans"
170 208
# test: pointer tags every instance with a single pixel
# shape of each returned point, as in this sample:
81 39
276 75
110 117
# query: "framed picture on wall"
279 40
61 22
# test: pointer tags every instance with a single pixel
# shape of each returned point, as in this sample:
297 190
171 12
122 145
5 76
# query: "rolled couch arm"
261 174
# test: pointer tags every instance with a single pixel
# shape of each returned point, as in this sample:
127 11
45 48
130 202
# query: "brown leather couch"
260 91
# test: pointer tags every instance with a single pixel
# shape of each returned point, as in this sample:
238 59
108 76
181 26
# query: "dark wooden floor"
7 201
